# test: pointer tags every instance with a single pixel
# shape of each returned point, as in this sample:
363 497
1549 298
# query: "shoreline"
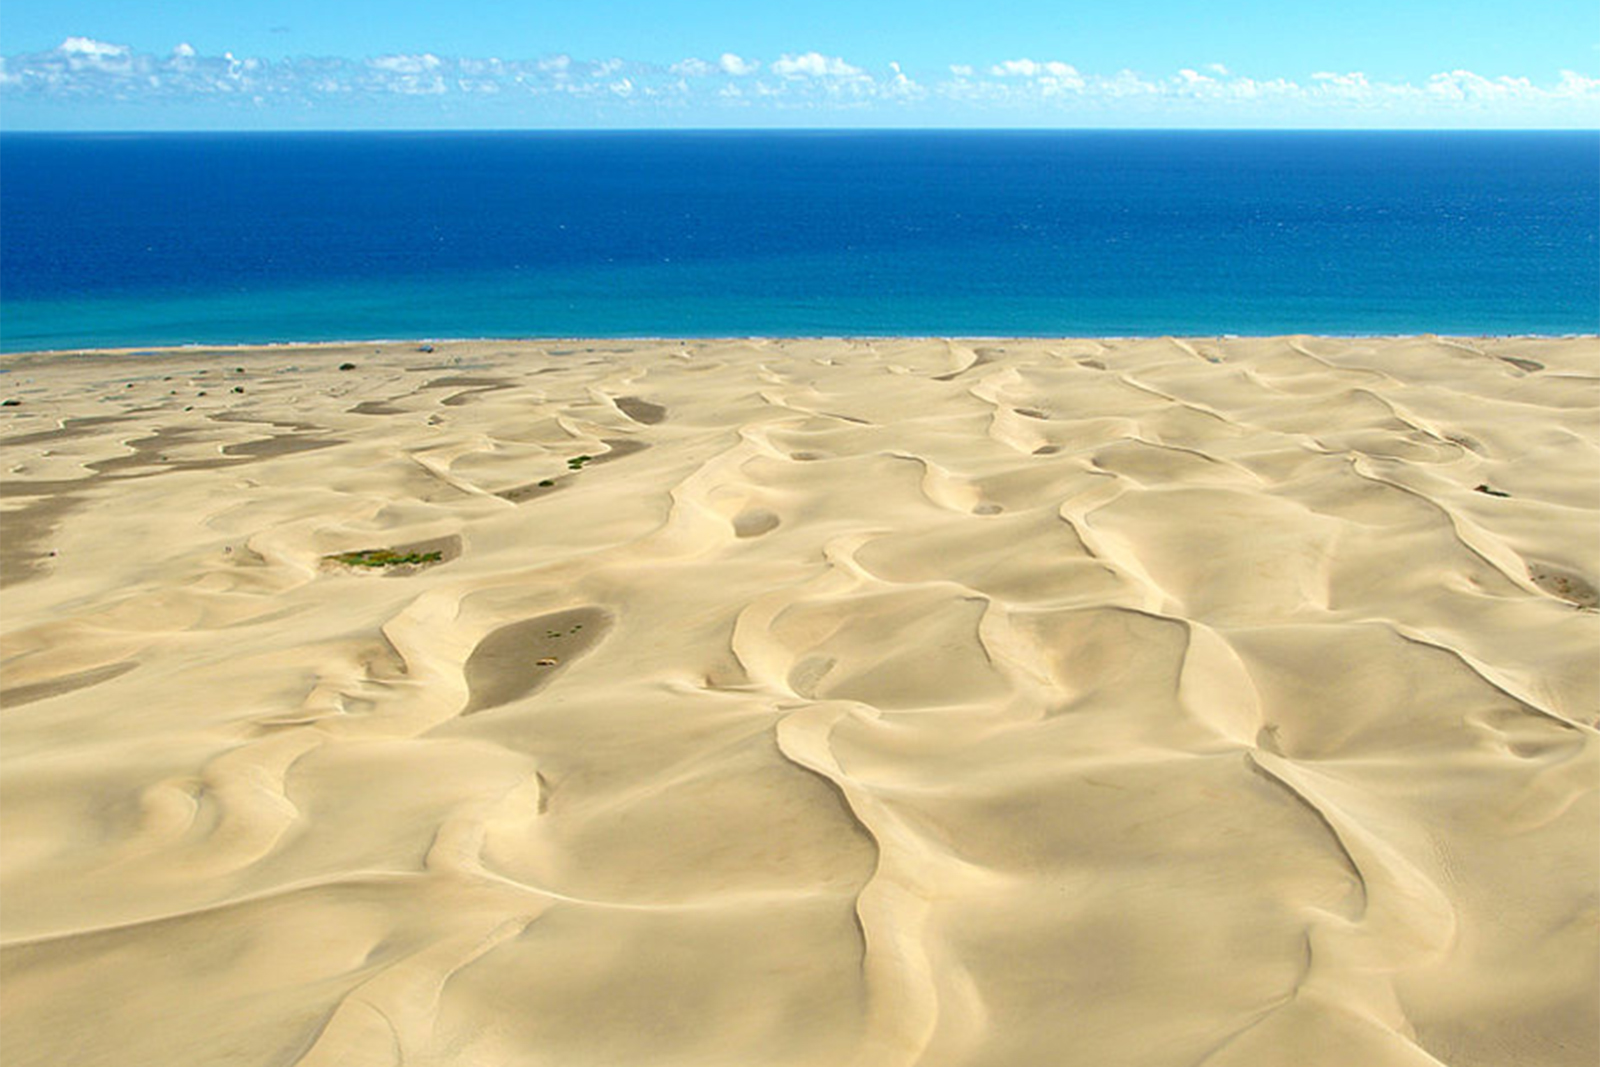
160 351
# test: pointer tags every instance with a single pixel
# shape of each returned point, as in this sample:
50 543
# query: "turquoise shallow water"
172 239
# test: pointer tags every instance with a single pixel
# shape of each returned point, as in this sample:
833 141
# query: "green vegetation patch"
384 557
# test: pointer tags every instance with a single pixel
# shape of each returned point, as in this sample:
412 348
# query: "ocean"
163 239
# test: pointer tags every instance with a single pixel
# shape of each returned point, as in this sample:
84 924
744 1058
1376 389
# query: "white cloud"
423 64
691 68
1573 84
403 75
1351 86
86 70
1468 87
814 65
85 54
1028 68
1049 79
902 86
1125 84
88 46
1021 68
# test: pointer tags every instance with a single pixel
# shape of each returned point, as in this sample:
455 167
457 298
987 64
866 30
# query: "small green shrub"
384 557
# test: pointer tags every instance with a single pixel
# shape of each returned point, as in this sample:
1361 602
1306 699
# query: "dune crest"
863 702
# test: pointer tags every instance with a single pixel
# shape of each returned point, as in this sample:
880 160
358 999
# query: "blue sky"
97 64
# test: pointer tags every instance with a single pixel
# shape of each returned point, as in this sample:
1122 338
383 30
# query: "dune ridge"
875 702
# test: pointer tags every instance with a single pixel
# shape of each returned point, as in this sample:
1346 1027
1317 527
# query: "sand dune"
878 703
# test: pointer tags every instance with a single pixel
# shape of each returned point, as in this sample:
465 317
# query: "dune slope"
1146 702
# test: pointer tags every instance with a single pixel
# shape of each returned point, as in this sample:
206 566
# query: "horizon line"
798 129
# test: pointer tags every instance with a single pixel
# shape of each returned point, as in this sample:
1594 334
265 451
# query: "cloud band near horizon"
83 71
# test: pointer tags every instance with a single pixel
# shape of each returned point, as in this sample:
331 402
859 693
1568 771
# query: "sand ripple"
812 702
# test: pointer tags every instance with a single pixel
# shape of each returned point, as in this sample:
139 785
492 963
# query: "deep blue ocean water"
147 239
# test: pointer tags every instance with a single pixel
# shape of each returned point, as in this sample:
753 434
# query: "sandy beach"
814 702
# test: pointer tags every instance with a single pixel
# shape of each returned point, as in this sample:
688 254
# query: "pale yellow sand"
906 702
